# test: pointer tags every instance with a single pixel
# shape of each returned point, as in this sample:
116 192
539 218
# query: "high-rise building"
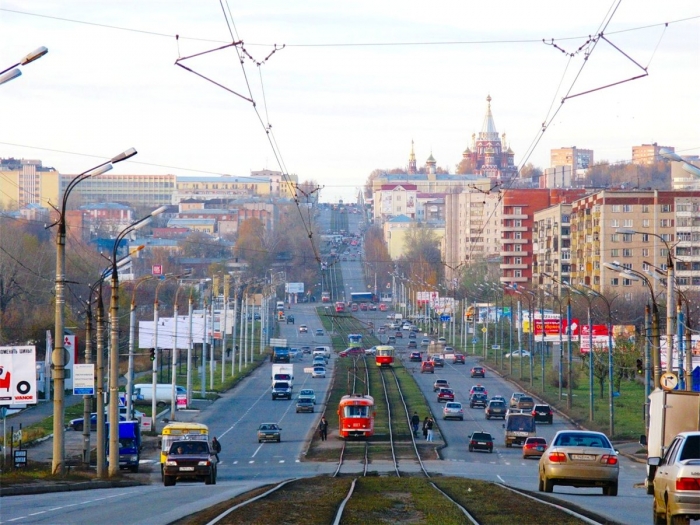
551 247
24 182
576 159
647 154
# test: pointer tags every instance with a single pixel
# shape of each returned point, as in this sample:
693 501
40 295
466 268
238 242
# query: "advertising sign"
71 356
551 327
17 375
294 287
84 379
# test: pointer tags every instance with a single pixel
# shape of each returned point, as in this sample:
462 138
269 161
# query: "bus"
362 297
178 431
339 307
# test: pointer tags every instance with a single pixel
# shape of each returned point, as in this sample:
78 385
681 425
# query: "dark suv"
478 400
542 413
480 441
189 460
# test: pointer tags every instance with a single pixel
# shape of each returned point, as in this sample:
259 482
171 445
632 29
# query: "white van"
280 306
164 392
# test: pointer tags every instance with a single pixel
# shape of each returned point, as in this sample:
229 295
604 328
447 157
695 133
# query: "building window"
615 237
614 252
626 282
666 223
645 223
616 208
615 281
665 208
517 211
517 223
627 237
626 252
645 237
517 273
645 252
663 252
645 267
627 208
614 223
627 223
645 208
668 237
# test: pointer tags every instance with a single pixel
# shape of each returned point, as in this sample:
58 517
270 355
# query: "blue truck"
280 354
129 445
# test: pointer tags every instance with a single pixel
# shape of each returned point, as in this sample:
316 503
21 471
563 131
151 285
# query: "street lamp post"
670 288
589 301
13 71
132 342
114 345
58 353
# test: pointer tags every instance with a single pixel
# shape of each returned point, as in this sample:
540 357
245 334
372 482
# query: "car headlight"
171 463
203 463
134 458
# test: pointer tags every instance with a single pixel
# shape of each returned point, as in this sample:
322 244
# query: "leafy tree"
529 170
422 260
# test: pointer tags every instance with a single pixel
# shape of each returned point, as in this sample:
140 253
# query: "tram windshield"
356 411
384 351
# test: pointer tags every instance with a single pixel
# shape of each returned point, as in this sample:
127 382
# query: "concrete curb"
66 487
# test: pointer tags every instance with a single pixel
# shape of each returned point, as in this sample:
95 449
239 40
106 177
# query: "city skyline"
340 107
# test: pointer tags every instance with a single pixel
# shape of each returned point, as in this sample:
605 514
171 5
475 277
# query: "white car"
518 354
453 410
303 329
371 351
318 372
308 392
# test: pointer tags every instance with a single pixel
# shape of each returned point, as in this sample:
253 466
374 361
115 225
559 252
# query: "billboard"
17 375
294 287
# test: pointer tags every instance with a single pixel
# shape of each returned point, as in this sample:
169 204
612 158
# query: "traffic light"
640 367
153 354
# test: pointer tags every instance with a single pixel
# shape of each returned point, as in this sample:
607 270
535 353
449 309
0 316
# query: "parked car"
478 371
189 460
542 413
445 394
427 367
517 354
269 432
460 360
495 408
580 458
480 441
453 410
478 400
303 329
440 383
534 447
416 357
676 486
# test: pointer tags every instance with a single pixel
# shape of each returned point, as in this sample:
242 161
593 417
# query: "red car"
445 394
459 359
351 351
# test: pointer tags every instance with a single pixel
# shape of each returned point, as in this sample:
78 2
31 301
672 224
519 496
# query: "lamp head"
10 75
34 55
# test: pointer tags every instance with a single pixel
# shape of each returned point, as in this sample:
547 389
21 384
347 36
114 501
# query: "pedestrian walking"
216 446
430 429
323 428
415 421
425 428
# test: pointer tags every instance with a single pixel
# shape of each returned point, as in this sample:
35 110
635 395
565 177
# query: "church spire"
488 130
412 168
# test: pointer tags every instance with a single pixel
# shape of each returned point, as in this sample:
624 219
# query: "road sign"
496 347
17 375
157 269
20 458
483 329
474 340
84 379
445 318
668 381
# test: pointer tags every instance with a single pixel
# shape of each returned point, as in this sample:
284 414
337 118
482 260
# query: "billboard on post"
17 375
294 287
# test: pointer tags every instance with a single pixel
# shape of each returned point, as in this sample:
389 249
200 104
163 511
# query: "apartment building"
472 229
150 191
683 180
647 154
551 247
578 160
393 200
517 226
25 181
656 218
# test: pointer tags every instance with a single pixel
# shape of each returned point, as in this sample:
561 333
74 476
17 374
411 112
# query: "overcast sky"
356 82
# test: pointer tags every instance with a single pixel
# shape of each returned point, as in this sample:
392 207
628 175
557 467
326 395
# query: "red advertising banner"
552 326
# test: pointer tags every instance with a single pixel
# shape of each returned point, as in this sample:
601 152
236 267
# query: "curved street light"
13 71
114 343
57 354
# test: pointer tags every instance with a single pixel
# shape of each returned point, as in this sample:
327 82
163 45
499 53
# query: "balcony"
513 279
514 228
513 266
520 216
504 253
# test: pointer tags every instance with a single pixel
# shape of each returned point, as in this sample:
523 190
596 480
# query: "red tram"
339 307
384 355
356 416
